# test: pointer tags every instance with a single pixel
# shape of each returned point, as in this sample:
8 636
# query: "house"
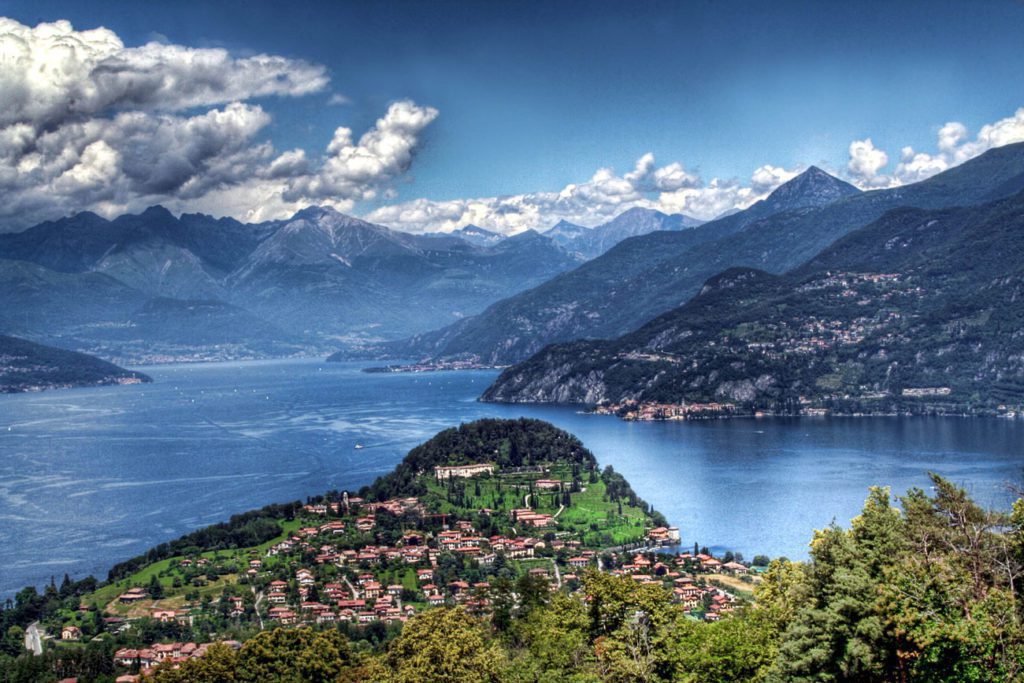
132 595
70 633
711 565
145 658
579 562
734 568
463 471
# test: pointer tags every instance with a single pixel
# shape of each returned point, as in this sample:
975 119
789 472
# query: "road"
259 599
33 639
558 574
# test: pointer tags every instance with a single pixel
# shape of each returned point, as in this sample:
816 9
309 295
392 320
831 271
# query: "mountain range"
919 311
153 286
592 242
645 276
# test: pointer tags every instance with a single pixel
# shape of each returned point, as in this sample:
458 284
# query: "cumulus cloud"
88 123
670 188
868 164
52 73
354 170
673 189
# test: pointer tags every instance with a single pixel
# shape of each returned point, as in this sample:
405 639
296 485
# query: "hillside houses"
443 473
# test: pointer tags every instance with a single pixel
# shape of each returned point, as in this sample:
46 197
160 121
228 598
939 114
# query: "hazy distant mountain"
566 233
324 273
479 236
645 276
25 366
82 242
630 223
592 242
919 311
95 284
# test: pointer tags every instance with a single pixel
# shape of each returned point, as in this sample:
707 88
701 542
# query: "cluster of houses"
648 411
368 598
330 571
145 660
686 577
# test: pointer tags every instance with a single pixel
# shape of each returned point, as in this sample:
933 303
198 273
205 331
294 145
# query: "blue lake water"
90 477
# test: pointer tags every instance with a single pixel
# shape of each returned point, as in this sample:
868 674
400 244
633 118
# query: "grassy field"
590 516
174 597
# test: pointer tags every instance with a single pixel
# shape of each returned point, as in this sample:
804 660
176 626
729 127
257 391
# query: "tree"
841 630
155 588
443 644
299 654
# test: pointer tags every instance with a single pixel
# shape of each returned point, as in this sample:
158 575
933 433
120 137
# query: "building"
476 469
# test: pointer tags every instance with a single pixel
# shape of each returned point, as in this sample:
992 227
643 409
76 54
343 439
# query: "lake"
90 477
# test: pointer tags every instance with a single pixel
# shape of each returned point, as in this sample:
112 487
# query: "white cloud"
88 123
669 188
356 171
672 189
766 178
53 73
866 163
954 145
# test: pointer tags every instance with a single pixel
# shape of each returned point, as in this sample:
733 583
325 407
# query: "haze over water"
91 477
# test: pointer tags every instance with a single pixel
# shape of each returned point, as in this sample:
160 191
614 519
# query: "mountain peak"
157 211
813 187
640 211
476 230
315 212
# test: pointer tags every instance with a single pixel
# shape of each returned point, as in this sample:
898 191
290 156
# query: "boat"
359 446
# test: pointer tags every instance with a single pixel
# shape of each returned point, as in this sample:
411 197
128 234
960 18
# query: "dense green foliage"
918 300
26 366
505 443
929 593
241 531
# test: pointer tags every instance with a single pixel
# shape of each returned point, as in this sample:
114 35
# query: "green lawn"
106 594
588 507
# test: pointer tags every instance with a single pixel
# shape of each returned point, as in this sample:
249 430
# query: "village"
355 564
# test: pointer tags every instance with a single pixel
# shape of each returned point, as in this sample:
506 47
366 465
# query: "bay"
90 477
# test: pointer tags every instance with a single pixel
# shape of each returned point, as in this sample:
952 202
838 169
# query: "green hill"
921 311
644 277
26 366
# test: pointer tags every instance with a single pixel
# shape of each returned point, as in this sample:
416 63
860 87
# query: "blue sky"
533 96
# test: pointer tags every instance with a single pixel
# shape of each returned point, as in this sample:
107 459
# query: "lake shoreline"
122 469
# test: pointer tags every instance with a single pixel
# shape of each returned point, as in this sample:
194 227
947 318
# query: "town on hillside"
345 562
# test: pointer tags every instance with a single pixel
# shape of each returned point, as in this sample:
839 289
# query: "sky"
433 115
